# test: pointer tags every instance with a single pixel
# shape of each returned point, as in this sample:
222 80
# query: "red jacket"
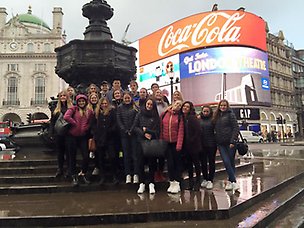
171 130
79 124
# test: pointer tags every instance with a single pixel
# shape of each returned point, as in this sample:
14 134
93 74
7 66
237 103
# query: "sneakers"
204 184
141 188
170 187
209 185
229 186
95 171
75 182
151 188
128 179
175 188
235 186
135 179
59 173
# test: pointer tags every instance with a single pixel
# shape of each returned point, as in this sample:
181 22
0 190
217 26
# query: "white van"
251 137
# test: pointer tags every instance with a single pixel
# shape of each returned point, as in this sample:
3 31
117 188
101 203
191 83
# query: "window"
30 47
12 90
40 67
39 90
12 67
47 48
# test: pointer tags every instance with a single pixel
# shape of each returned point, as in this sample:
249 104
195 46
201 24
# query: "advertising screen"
238 74
216 28
160 72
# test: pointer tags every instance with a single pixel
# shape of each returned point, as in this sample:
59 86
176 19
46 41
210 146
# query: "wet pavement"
272 164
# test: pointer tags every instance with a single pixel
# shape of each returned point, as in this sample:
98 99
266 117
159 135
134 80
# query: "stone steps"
257 211
40 179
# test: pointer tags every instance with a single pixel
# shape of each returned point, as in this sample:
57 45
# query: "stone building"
281 117
297 58
27 62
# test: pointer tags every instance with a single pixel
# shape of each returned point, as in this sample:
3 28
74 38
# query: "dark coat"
151 122
192 135
226 128
207 132
126 114
54 118
104 128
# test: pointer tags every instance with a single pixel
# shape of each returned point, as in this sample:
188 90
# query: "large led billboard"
238 74
217 28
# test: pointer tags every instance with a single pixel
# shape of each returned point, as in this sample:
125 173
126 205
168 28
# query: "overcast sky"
147 16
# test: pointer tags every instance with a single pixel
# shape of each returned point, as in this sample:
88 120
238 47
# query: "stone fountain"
97 57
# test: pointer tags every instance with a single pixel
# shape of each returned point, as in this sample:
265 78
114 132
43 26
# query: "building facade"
27 65
281 117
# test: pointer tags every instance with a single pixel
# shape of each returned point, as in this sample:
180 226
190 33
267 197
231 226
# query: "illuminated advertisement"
216 28
238 74
160 72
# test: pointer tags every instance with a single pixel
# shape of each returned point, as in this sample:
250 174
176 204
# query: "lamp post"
171 76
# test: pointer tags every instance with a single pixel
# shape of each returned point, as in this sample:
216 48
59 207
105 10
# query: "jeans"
228 156
129 148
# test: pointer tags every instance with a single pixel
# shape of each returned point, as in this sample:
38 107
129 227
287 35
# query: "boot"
115 180
86 179
101 180
59 173
75 182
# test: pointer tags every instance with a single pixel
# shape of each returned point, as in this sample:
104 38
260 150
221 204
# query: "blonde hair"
103 111
90 105
179 94
58 106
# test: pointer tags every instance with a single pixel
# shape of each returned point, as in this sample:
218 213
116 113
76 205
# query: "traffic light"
29 117
279 120
284 121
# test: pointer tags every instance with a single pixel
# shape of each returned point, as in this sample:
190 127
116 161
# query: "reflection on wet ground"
263 175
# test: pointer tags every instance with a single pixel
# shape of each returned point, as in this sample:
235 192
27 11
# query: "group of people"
119 120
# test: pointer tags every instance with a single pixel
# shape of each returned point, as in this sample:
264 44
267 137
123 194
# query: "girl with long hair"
226 133
192 143
63 104
172 131
79 117
147 128
126 113
208 152
104 130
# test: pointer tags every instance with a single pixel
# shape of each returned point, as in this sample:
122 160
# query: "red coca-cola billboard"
217 28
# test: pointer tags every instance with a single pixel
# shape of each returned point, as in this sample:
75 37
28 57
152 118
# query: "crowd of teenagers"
119 121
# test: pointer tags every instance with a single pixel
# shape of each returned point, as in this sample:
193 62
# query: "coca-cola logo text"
204 32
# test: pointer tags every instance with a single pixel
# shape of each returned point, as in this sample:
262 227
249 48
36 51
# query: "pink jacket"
79 124
171 130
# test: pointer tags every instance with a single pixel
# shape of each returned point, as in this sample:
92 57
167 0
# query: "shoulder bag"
61 125
242 146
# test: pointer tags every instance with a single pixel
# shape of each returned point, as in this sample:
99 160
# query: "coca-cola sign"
218 28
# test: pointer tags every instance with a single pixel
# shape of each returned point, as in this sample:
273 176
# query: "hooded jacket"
79 124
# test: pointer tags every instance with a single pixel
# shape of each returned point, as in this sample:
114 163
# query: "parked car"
252 137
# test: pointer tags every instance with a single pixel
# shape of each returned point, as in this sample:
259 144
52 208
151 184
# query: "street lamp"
171 76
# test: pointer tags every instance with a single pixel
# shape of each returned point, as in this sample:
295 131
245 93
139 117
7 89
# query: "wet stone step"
125 206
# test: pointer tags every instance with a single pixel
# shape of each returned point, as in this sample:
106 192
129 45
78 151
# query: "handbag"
61 125
154 147
242 146
92 145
